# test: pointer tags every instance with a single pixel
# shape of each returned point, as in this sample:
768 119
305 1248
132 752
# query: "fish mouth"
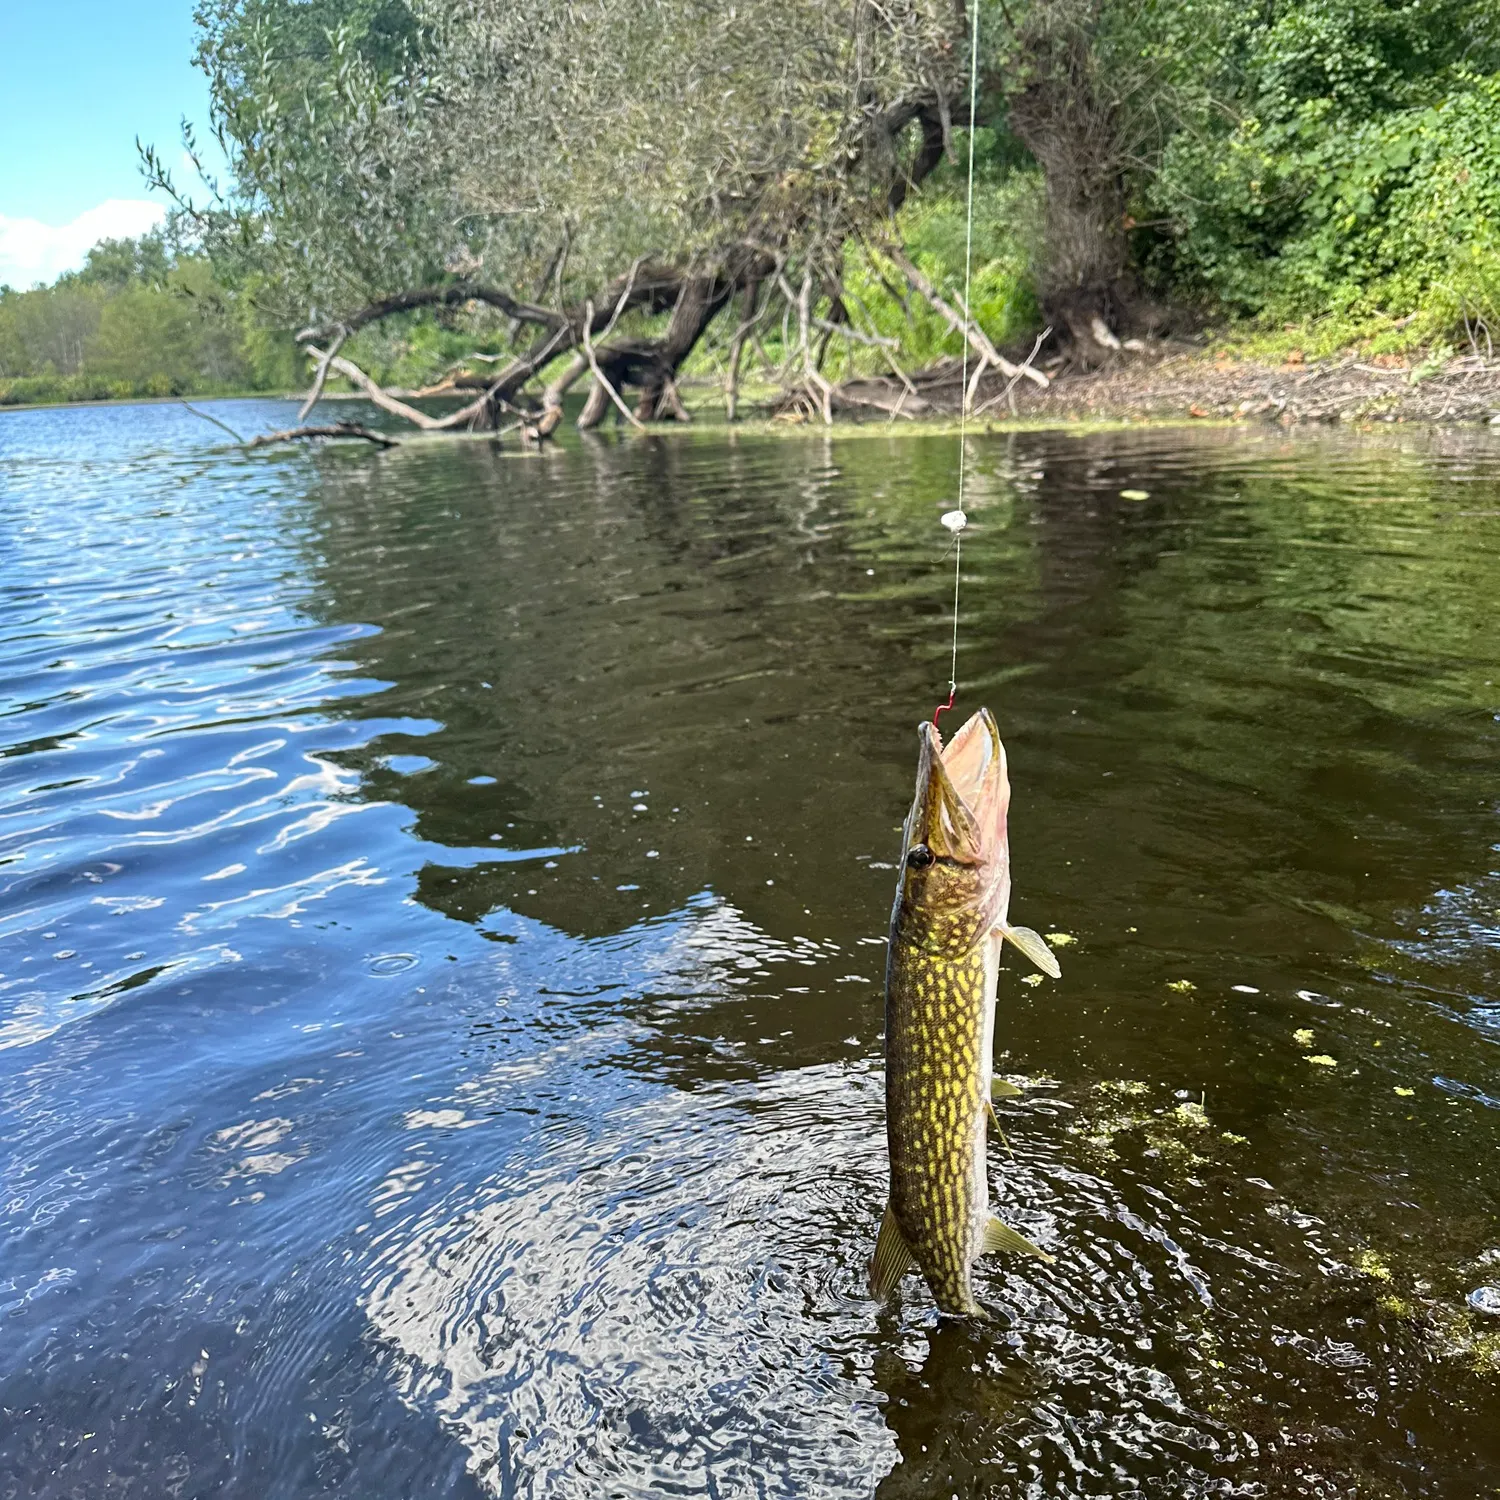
963 792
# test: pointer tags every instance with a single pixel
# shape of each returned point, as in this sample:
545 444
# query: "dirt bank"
1173 381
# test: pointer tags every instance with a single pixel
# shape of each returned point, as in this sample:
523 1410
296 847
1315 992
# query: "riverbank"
1173 381
1159 381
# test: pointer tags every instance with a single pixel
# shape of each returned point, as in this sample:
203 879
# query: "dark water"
443 910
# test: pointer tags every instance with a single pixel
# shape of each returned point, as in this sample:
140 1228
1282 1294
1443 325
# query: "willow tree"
574 168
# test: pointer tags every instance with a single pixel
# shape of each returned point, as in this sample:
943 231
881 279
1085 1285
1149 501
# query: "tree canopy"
558 171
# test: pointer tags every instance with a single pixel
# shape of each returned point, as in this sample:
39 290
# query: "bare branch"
814 375
966 327
455 294
209 418
1008 394
599 375
872 340
326 430
322 373
386 402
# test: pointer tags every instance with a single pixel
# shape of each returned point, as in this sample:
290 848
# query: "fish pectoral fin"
892 1259
1034 946
1003 1088
1000 1237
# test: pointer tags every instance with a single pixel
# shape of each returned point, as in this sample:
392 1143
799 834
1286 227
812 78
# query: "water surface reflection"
444 896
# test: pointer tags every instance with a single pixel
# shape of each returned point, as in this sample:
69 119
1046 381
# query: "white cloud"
31 251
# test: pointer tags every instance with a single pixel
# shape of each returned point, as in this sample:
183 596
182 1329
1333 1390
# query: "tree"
569 167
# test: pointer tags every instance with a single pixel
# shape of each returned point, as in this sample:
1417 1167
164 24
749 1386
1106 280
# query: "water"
444 898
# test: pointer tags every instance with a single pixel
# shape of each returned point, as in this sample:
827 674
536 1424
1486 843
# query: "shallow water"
444 897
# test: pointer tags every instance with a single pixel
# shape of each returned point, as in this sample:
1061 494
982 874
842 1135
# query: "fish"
950 918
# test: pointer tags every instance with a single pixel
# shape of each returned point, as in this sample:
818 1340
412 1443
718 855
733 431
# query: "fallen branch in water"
387 402
208 418
326 430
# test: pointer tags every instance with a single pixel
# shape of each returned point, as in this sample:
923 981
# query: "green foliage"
1331 162
380 146
114 264
1007 232
138 319
45 331
1345 162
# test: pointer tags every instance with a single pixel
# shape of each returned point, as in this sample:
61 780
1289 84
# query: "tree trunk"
651 365
1060 115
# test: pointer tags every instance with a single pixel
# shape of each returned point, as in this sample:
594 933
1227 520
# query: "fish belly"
939 1019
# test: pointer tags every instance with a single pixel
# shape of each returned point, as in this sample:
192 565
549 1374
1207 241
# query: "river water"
444 896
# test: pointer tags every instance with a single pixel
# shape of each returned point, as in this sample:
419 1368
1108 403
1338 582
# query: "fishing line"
956 520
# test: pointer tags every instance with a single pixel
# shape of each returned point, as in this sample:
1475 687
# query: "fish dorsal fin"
1034 946
892 1260
1000 1237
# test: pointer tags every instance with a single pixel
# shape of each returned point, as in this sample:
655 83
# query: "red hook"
943 708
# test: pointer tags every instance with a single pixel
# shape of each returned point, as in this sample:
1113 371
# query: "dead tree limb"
601 380
814 376
454 294
386 402
1009 393
321 374
849 331
965 327
209 417
753 310
326 430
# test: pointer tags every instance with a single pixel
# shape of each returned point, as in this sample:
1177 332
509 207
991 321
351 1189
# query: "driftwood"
326 430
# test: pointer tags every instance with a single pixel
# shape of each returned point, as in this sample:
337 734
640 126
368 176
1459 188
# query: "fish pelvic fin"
1003 1088
892 1259
1034 946
1001 1238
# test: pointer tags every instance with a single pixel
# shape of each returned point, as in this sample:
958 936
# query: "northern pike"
948 924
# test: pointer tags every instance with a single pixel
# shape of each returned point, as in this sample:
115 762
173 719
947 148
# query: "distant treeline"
139 319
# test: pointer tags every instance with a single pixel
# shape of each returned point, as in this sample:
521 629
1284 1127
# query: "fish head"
955 858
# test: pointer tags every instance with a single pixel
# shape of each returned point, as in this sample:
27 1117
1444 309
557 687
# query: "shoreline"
1161 385
1176 384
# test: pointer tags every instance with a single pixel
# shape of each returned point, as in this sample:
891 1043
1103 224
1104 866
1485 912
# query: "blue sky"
79 80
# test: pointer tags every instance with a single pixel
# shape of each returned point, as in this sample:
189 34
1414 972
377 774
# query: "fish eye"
919 856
